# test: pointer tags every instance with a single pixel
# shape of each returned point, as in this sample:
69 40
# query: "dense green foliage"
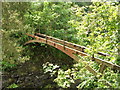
94 25
13 31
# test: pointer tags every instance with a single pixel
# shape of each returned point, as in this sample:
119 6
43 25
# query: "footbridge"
73 50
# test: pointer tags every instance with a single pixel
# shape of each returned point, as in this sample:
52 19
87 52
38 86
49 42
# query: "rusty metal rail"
72 45
71 49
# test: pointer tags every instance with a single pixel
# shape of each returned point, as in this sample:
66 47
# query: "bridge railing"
72 45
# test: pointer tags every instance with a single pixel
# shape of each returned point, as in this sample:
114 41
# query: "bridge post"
102 68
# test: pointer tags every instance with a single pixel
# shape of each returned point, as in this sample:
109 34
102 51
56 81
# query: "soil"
30 74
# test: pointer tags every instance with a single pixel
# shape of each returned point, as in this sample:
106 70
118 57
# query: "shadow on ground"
30 74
